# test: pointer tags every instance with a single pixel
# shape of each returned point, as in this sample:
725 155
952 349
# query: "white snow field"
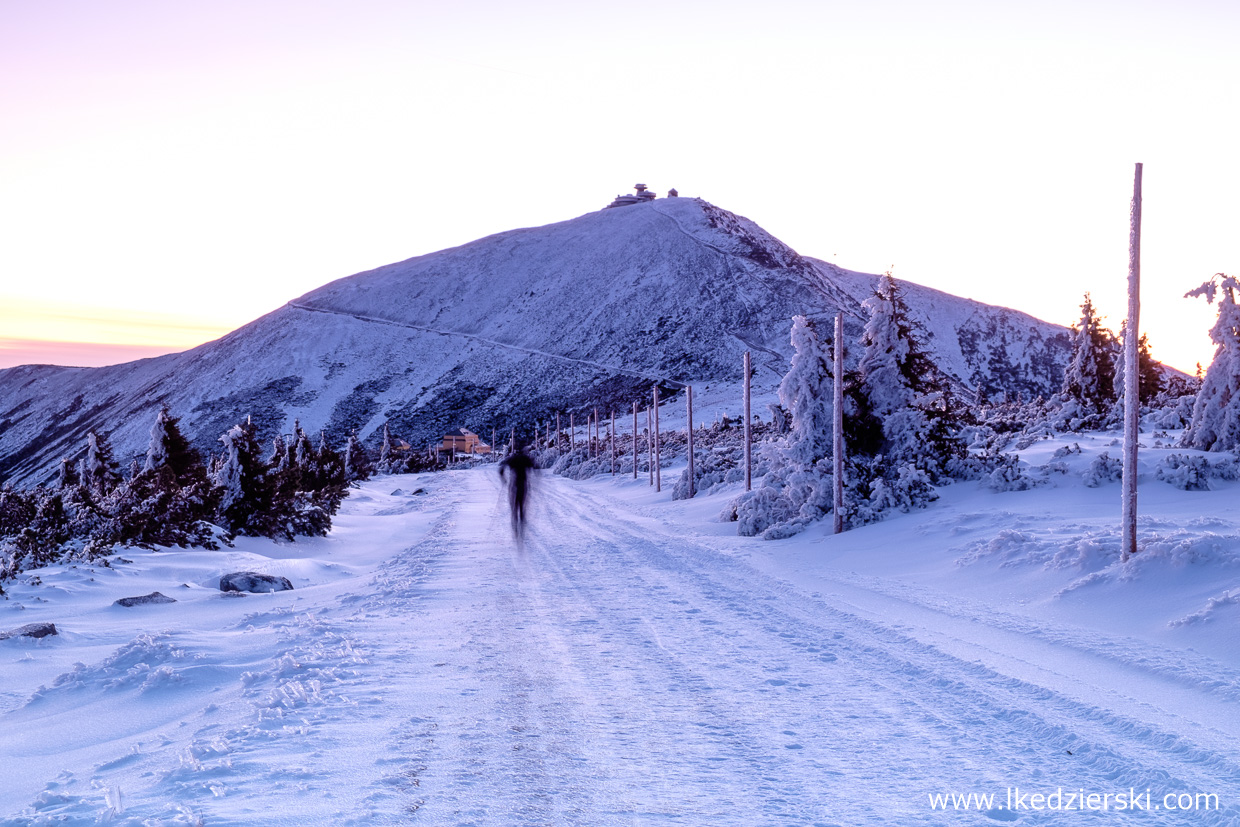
636 663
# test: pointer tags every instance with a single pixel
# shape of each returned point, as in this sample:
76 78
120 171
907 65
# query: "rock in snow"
31 630
253 582
145 599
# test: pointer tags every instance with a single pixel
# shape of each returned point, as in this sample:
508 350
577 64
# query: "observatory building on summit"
643 195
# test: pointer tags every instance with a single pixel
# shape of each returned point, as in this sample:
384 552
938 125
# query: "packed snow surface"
634 662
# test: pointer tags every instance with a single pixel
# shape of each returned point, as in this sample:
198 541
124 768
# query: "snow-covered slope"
500 332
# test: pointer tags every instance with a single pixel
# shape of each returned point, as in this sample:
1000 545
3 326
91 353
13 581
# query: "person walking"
516 470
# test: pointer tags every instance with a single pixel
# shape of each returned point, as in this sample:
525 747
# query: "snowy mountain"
504 330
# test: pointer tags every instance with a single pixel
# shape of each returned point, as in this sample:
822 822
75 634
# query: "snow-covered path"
620 668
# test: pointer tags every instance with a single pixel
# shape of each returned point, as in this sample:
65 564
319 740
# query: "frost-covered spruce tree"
303 451
169 448
1089 378
1215 424
796 490
385 452
903 390
356 460
805 393
98 470
243 489
67 477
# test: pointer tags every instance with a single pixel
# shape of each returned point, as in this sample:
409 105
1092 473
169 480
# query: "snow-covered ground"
637 663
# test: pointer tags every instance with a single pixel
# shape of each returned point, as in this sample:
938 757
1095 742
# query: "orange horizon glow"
35 332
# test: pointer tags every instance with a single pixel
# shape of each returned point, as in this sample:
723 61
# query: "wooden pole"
658 472
748 432
572 432
635 439
611 428
650 445
558 432
1132 398
837 428
689 405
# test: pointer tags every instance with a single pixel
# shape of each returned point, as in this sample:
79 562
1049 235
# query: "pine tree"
1215 424
169 447
1090 375
244 491
1149 369
68 475
806 394
902 390
99 469
385 453
356 460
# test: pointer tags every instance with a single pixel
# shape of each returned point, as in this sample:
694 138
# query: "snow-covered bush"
1187 473
1009 475
1103 470
710 468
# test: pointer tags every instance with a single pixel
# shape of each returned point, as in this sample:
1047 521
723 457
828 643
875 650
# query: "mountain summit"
504 330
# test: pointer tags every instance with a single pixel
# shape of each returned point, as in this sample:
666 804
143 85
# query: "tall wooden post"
650 444
558 431
611 428
748 432
658 472
635 439
1132 398
572 431
837 428
689 405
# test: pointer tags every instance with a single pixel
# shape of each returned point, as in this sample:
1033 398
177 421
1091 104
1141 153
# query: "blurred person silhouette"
516 470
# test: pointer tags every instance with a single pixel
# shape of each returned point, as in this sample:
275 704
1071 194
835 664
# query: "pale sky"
170 170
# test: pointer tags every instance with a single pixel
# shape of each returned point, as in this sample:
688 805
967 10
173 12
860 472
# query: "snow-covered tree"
902 390
98 470
806 393
356 460
303 451
385 453
243 489
1090 376
169 448
67 477
1216 413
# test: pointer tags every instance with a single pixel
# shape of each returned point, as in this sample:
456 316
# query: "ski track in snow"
611 671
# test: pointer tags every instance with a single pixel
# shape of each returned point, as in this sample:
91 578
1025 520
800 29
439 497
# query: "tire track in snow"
934 697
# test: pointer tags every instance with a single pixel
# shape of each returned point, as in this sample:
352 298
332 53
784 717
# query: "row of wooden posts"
595 438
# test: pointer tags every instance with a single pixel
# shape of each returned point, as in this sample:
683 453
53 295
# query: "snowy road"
619 673
620 669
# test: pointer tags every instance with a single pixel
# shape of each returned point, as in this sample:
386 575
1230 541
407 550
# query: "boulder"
31 630
252 581
142 600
